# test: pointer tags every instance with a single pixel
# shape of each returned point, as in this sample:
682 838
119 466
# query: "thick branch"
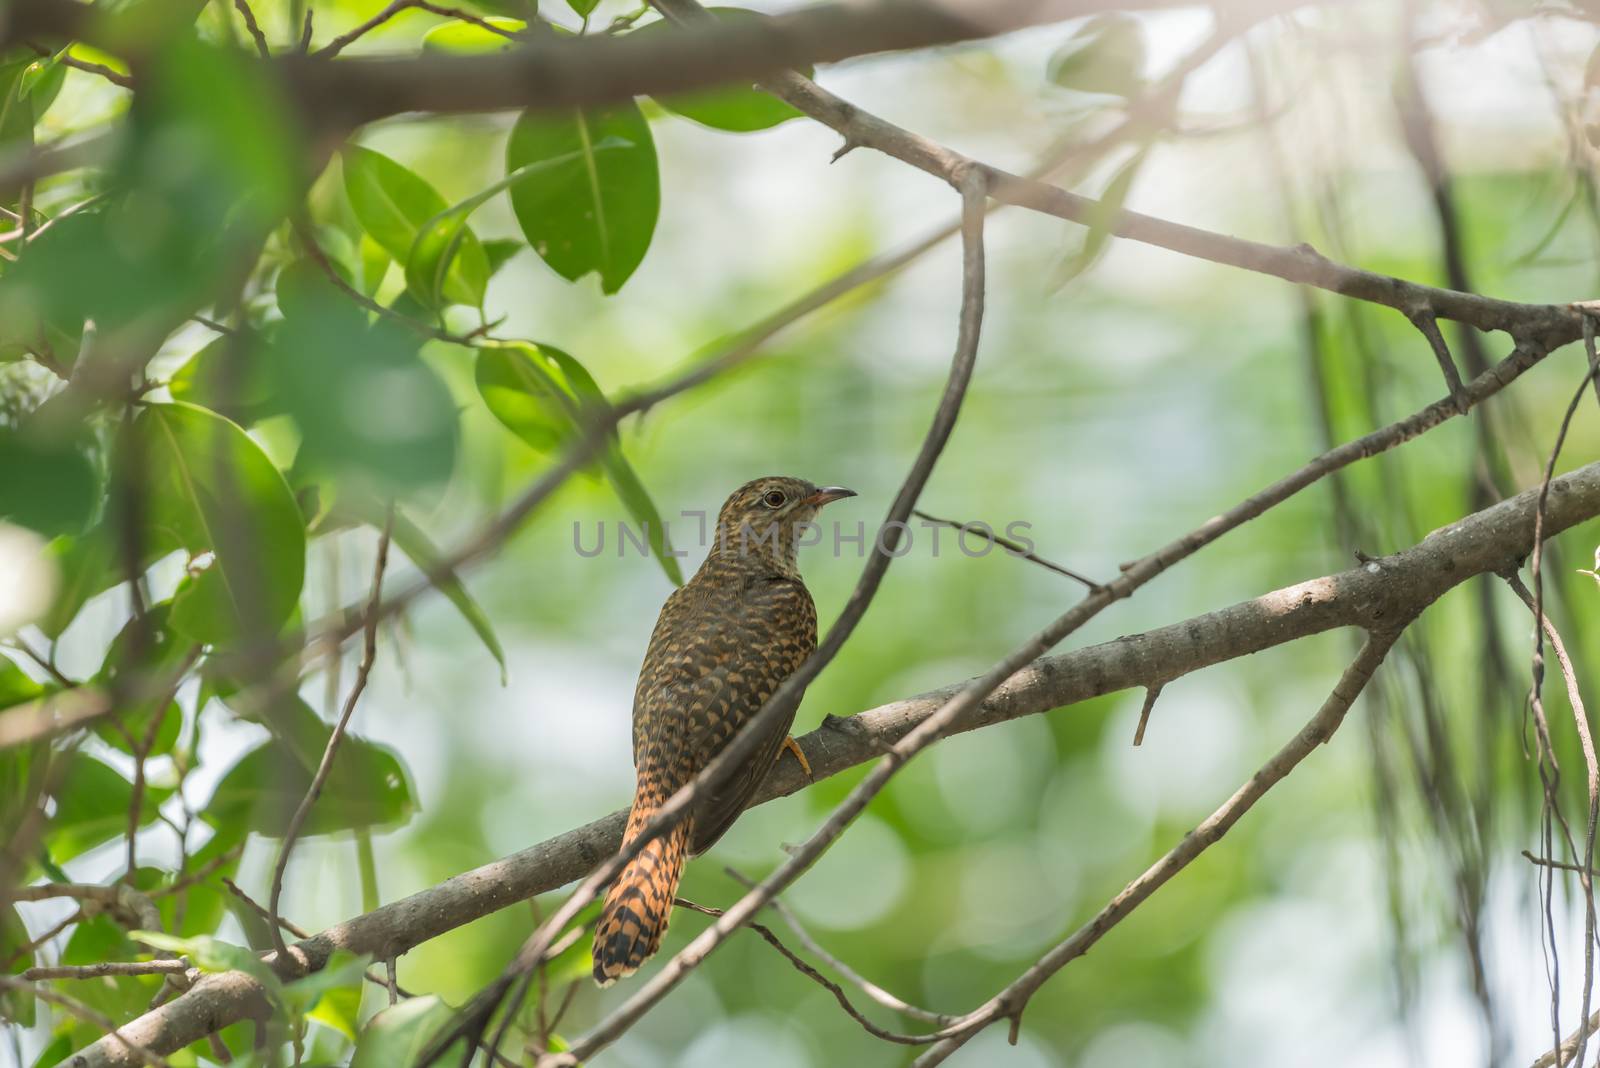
596 69
1373 596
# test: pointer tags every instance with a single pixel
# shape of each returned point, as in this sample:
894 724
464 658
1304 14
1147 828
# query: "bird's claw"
794 747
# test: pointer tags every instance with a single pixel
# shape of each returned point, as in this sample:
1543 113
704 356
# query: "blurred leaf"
1104 55
15 1005
441 238
735 108
49 486
543 395
160 660
583 8
211 954
367 785
210 489
59 1049
207 169
414 542
375 261
393 204
467 37
84 568
597 210
396 1036
98 938
1103 218
92 804
343 970
340 1009
28 84
15 685
367 406
240 390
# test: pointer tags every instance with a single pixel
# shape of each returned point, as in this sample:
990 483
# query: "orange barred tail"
639 905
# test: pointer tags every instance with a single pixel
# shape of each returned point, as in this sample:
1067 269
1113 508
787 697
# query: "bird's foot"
794 747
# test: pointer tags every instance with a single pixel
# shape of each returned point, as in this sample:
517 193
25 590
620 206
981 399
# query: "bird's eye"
774 498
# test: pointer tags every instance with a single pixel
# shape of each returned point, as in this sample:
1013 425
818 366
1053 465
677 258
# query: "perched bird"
723 644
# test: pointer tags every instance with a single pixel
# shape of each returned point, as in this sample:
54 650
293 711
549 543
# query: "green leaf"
517 381
84 568
59 1049
367 785
340 1009
442 237
393 204
414 542
395 1037
597 211
367 406
583 8
1102 218
210 489
211 954
233 385
636 499
500 250
160 660
344 970
50 484
92 804
15 685
1104 55
472 39
735 108
207 167
15 1005
543 395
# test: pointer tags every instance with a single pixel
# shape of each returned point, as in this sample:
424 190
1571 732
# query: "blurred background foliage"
1375 911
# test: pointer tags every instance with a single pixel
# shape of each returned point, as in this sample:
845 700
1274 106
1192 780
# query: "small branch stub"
1150 695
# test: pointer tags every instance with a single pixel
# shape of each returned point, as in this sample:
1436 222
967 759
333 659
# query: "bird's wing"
712 663
787 635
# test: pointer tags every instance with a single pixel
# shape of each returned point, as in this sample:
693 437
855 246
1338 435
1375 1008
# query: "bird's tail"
639 905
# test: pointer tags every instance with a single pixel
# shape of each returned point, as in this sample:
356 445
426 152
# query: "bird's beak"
828 494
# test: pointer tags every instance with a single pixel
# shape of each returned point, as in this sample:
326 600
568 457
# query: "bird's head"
762 520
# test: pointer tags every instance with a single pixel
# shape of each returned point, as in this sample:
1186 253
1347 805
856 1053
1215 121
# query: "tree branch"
1010 1002
325 766
600 69
1548 326
1374 595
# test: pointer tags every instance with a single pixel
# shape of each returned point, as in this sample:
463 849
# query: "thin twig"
368 655
345 40
202 873
254 28
67 59
87 1014
983 530
1010 1002
1560 865
1541 625
867 986
815 976
97 971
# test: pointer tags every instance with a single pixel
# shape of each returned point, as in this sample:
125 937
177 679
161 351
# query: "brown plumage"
723 644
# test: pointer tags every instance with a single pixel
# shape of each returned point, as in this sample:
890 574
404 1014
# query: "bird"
724 642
